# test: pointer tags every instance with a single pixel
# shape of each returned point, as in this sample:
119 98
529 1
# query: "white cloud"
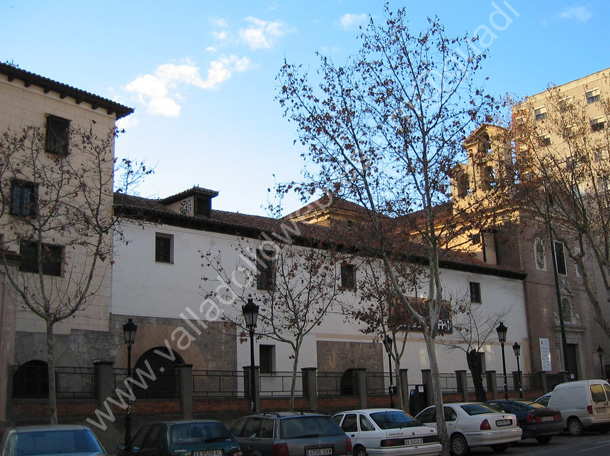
350 21
262 34
576 13
158 91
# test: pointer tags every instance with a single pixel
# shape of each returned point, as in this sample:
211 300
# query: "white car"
387 432
471 424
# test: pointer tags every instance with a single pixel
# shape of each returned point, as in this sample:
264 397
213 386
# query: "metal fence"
80 383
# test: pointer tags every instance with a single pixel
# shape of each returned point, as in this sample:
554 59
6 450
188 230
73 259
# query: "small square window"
267 358
598 124
52 258
23 198
540 113
58 135
348 276
592 96
544 140
475 292
164 248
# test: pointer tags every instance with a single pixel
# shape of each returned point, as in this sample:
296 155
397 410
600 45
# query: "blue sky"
201 74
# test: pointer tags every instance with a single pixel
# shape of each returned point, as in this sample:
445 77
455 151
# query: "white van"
584 404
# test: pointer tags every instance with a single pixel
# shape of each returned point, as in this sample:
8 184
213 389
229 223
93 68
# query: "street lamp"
129 333
600 353
250 311
501 329
517 350
387 342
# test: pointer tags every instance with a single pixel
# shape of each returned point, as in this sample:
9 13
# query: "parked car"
388 432
536 420
584 404
50 439
544 399
471 424
291 434
186 438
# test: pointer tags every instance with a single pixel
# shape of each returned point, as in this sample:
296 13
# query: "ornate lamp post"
387 342
129 333
600 353
501 329
517 350
250 311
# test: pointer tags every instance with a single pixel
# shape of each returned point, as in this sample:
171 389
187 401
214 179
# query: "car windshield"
477 409
198 433
308 427
393 420
55 442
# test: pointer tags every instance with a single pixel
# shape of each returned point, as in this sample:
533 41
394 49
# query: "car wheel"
459 445
500 447
544 439
360 451
575 427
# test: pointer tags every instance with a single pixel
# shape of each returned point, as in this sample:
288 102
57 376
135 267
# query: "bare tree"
385 131
57 212
564 181
295 285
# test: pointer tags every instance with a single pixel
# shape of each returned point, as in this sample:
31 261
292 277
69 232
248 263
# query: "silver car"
50 440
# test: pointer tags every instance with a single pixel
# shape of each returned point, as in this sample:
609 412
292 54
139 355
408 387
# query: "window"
540 113
475 292
566 310
58 135
592 95
164 248
560 258
266 357
265 269
564 104
544 140
598 124
600 154
489 247
203 206
52 258
348 276
463 186
23 198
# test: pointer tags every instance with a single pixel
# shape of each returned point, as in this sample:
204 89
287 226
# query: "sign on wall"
545 354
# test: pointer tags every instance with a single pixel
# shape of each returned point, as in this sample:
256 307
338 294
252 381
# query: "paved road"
563 445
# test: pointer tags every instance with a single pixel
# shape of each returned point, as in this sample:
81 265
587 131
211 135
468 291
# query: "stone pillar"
543 382
186 390
426 376
257 387
462 384
104 381
360 386
492 383
310 386
404 389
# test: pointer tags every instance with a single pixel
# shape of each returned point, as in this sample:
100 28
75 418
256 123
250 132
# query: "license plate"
547 418
414 441
601 410
319 452
504 422
208 453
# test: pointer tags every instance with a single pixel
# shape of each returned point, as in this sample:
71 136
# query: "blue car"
536 420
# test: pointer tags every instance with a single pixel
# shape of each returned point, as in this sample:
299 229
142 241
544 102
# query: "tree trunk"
401 399
438 395
51 366
293 382
474 364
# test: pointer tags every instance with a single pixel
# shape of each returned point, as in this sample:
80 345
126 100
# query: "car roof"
371 410
47 427
173 423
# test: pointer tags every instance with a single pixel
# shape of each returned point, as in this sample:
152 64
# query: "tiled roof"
328 202
64 90
255 226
